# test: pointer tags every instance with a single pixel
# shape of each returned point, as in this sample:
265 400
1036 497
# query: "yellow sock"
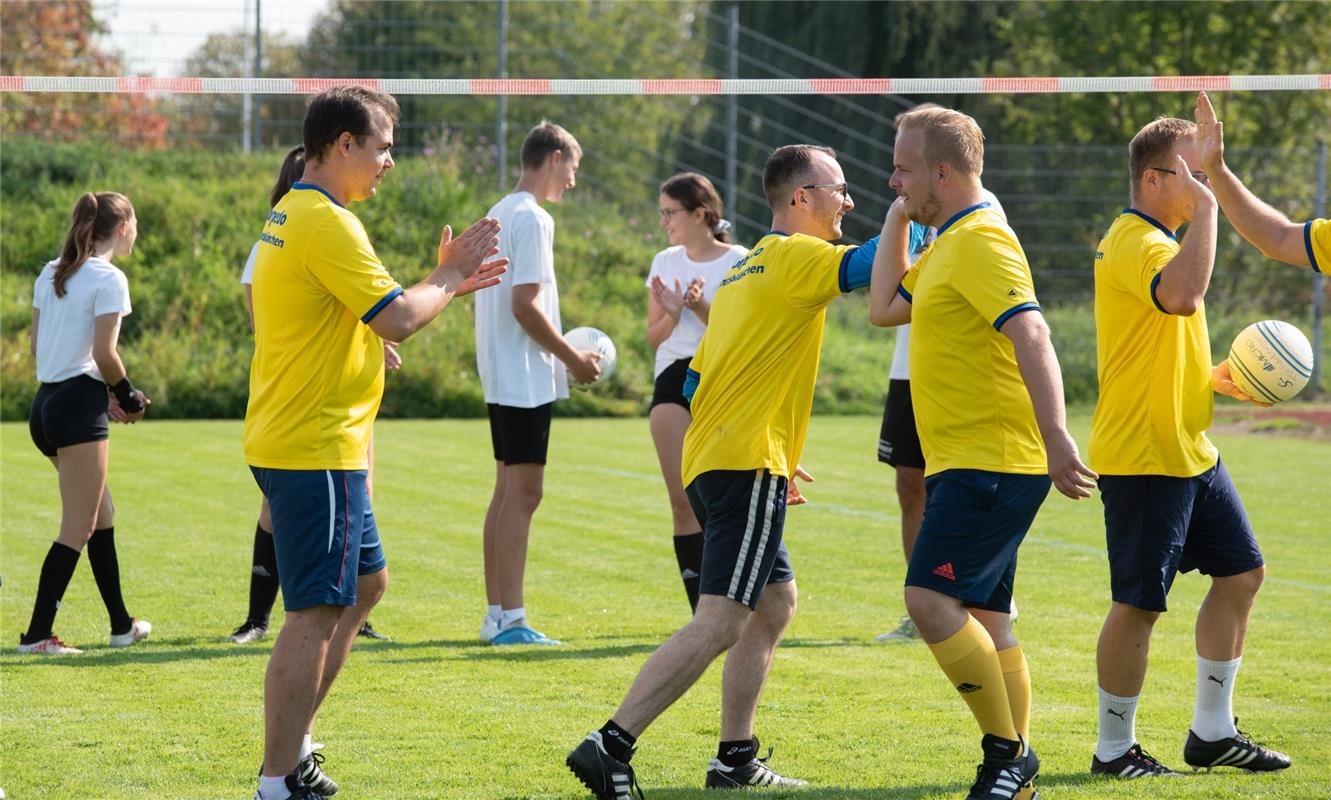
1017 679
970 660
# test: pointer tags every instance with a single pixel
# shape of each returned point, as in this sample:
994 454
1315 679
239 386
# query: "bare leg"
293 682
1222 621
999 626
491 537
83 495
522 495
938 616
1121 655
668 423
910 496
369 590
749 661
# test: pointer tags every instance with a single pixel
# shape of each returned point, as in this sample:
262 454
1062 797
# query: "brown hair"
950 137
788 167
1153 143
694 191
293 167
545 139
95 219
343 109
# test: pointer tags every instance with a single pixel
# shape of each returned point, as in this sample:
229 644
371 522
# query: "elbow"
879 317
1182 306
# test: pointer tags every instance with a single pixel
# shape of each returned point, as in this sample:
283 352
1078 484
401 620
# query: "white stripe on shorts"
332 509
762 546
738 574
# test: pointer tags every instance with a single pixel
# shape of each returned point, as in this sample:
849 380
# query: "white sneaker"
50 646
489 629
138 631
905 630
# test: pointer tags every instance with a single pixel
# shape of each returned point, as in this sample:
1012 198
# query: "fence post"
501 123
255 114
732 107
1318 278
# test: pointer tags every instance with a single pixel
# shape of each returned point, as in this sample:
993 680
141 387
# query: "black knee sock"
688 552
106 571
263 577
57 569
737 753
618 742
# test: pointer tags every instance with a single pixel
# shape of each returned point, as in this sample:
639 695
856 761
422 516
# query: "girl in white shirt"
681 284
77 303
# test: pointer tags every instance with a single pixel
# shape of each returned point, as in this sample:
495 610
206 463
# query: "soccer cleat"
1233 751
309 774
754 773
249 632
489 629
299 791
1136 763
520 634
50 646
906 630
139 630
606 777
1007 767
369 632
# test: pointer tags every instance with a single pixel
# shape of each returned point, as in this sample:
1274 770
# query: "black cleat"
369 632
299 791
606 777
309 773
1234 751
1136 763
1008 766
754 773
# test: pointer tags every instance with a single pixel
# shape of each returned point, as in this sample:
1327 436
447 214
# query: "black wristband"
124 392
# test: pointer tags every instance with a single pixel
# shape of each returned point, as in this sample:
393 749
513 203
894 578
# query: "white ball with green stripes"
586 338
1271 361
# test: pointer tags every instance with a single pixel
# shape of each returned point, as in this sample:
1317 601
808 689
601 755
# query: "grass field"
435 715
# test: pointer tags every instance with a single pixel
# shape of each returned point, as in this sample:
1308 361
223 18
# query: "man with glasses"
1170 505
751 385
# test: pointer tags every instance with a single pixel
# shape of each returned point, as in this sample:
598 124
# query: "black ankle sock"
618 742
688 553
57 569
738 753
263 577
106 571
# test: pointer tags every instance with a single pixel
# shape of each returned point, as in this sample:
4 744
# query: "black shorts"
520 435
1157 526
67 413
899 441
669 386
743 514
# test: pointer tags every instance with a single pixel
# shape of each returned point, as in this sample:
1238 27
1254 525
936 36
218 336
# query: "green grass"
434 715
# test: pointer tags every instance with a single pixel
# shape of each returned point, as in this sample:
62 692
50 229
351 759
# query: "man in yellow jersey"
1170 505
988 400
323 305
751 384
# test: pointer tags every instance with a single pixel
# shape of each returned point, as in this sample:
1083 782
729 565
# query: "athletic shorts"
1157 526
899 441
669 387
520 435
974 521
324 534
67 413
743 514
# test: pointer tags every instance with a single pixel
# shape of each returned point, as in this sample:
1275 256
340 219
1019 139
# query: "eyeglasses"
667 213
842 189
1197 175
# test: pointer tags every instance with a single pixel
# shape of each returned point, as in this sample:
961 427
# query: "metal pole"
258 72
1319 294
501 124
732 108
245 121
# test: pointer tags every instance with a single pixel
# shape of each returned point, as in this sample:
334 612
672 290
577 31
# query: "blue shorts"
323 532
974 521
1157 526
743 514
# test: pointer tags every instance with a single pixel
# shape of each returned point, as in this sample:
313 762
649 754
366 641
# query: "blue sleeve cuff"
690 384
1155 282
1012 312
1308 244
857 266
379 306
919 234
901 290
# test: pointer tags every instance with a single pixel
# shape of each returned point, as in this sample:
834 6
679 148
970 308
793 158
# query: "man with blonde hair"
989 404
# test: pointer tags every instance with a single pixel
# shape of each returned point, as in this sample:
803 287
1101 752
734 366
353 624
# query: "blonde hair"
1154 143
950 137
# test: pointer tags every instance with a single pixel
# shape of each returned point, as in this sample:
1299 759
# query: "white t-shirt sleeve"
247 277
658 268
533 250
112 295
988 195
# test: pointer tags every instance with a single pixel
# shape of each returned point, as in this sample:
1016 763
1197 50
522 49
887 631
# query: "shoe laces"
1153 763
314 760
987 775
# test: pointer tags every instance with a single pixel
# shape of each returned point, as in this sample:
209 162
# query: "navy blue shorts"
743 513
974 521
1157 526
323 532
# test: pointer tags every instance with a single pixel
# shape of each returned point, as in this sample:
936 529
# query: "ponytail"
95 219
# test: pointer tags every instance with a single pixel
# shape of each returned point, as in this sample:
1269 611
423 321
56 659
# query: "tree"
220 117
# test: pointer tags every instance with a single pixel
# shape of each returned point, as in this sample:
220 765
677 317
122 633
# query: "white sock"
273 788
492 612
511 616
1118 725
1213 717
306 747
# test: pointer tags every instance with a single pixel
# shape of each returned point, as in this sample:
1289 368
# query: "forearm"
1184 281
1256 221
659 329
702 310
109 364
890 265
538 326
417 306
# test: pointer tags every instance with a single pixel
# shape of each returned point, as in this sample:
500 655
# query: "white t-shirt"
65 324
901 354
674 263
515 370
247 277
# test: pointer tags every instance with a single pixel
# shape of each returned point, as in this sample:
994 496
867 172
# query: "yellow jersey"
1317 238
318 370
752 377
972 408
1154 367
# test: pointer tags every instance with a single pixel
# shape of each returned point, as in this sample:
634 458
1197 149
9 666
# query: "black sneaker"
1136 763
1234 751
299 791
311 775
369 632
606 777
1007 767
249 632
754 773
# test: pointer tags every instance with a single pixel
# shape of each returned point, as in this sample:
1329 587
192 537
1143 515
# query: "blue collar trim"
963 212
315 187
1151 220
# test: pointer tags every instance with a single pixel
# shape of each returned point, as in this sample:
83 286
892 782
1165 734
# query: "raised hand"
467 252
1198 192
693 294
1210 135
1222 381
670 300
486 275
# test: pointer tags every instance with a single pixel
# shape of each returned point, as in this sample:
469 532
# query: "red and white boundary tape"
669 86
